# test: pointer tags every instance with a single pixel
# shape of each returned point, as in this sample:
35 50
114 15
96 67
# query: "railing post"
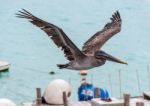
38 96
139 104
65 99
126 99
97 91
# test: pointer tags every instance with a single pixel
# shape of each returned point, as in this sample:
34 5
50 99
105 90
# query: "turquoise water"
32 55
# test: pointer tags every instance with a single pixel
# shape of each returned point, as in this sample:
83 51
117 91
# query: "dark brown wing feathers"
56 34
98 39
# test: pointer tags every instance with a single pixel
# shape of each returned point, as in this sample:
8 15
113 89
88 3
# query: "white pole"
148 73
92 79
110 83
137 74
120 83
69 79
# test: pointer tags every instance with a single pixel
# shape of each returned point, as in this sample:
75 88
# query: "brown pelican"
90 56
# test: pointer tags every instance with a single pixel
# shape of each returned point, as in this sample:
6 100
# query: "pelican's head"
105 56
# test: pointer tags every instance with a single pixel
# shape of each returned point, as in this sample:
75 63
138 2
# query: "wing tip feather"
116 17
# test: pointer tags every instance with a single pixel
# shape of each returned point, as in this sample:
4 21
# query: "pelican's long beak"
110 58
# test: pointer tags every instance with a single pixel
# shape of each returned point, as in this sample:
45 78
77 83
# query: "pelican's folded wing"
56 34
98 40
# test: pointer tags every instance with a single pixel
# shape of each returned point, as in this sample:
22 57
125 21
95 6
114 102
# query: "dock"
126 101
4 66
71 103
133 102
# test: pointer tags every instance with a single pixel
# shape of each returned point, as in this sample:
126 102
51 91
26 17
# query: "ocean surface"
33 55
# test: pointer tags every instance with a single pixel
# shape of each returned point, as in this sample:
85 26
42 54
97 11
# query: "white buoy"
6 102
54 91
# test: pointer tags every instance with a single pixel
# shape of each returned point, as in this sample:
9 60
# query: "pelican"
91 55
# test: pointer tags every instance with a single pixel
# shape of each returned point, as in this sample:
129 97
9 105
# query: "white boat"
4 66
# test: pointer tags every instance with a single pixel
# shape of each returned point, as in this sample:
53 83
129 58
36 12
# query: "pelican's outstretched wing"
56 34
97 40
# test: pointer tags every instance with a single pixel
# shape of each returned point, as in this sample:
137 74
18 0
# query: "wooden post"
97 91
126 99
65 99
38 96
139 104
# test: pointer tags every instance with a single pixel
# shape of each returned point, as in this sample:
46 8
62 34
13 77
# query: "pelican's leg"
61 66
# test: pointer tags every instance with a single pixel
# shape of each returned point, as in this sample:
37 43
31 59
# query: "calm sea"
33 55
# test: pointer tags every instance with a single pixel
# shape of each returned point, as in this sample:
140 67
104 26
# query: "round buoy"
54 91
6 102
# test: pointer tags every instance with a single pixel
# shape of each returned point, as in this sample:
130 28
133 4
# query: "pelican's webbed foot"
61 66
